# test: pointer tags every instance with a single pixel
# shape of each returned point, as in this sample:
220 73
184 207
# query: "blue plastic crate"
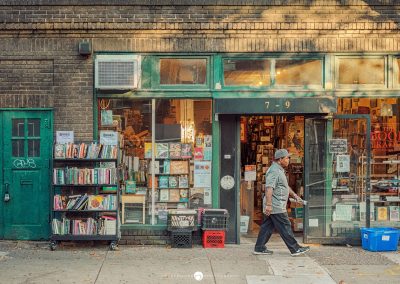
380 239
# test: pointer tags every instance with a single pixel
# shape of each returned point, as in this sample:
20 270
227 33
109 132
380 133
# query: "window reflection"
182 71
298 72
361 71
246 72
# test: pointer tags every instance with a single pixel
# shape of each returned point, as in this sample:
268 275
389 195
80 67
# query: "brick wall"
41 30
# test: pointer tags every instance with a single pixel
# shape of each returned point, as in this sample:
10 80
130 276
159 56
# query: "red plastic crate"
214 239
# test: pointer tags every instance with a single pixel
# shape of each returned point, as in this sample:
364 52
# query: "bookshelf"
85 194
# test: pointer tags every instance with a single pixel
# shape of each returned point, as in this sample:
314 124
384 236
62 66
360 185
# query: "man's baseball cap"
281 153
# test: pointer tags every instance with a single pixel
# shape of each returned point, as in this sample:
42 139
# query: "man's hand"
268 210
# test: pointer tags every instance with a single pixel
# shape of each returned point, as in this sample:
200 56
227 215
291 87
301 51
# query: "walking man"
274 206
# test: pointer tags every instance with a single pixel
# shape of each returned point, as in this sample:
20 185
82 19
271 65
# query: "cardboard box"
297 224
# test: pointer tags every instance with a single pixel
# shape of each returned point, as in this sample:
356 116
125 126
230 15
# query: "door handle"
6 193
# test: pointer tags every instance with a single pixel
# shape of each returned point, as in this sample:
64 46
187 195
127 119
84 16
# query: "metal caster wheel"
53 246
113 246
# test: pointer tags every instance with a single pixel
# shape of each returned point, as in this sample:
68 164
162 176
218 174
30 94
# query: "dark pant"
282 224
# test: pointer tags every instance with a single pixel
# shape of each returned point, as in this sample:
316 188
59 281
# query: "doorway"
260 136
26 140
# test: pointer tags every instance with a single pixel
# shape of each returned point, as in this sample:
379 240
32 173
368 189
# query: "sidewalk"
33 262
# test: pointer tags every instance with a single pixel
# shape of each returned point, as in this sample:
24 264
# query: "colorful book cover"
147 150
95 202
164 195
183 181
166 167
162 150
207 140
175 150
179 167
173 181
174 195
163 181
198 153
183 195
207 153
130 186
186 151
59 151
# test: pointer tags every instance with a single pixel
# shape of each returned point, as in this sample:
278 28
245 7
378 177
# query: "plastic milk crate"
214 239
215 219
179 219
380 239
181 239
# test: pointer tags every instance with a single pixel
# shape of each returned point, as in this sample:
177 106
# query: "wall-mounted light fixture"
85 48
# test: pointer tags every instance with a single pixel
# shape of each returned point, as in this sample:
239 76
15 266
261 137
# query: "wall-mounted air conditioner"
118 72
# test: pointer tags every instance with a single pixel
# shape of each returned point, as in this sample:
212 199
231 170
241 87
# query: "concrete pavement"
33 262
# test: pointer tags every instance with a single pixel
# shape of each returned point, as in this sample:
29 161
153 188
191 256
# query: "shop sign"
384 139
337 145
275 105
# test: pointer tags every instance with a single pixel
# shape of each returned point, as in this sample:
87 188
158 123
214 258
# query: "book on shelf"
183 181
164 195
174 195
163 181
179 167
198 153
207 140
162 151
156 167
186 150
165 167
59 151
183 195
175 150
147 150
173 181
95 202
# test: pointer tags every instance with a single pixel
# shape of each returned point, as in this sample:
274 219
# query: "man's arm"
293 194
268 199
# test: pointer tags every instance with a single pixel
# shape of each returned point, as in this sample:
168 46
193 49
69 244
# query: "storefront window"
298 72
183 71
181 151
361 71
247 72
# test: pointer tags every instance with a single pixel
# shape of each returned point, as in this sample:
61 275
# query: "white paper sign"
313 222
64 137
343 163
108 137
207 195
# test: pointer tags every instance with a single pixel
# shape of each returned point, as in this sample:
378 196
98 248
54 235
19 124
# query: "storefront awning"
275 105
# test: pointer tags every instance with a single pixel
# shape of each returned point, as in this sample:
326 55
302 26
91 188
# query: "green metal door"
26 139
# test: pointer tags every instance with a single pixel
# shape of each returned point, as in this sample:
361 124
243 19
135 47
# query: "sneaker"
300 250
263 252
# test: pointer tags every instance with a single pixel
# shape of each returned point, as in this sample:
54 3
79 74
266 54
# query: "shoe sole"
299 253
262 253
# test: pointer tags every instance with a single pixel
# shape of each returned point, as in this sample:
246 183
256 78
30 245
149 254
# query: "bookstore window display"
178 160
349 169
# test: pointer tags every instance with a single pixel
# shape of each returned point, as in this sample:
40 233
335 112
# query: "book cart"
85 194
